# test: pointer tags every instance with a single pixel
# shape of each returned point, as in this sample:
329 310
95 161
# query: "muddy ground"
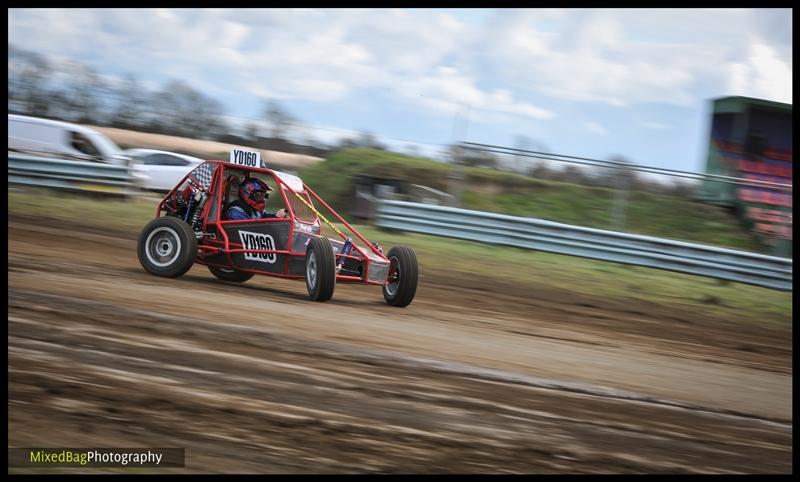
471 377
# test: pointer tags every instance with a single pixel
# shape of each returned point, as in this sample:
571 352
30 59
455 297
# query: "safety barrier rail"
66 174
536 234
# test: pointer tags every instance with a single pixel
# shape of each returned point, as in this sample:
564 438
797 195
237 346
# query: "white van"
35 136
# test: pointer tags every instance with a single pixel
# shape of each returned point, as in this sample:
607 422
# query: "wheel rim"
311 270
393 286
163 246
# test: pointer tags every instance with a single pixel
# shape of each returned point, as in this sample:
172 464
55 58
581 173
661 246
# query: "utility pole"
519 160
620 197
456 177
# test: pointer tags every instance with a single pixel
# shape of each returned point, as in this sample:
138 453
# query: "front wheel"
227 274
167 247
401 285
320 269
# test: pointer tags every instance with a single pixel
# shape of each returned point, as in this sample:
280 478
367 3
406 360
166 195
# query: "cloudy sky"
594 83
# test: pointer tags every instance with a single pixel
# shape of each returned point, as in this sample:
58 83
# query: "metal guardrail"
536 234
72 175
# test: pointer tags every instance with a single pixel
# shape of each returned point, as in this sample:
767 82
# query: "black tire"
404 271
228 274
320 269
167 247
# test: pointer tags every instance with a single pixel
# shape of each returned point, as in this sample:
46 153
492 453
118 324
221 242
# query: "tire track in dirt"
635 324
100 353
230 335
109 368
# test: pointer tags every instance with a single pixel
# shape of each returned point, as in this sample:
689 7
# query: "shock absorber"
347 247
201 200
188 212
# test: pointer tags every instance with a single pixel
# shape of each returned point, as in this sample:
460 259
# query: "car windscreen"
107 145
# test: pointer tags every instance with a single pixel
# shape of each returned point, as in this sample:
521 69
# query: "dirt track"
466 379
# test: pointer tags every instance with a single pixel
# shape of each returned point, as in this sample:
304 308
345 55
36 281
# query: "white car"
160 170
62 140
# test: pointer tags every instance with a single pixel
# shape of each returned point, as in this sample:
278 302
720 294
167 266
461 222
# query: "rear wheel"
229 274
320 269
167 247
401 285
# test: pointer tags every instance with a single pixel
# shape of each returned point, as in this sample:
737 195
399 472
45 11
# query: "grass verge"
646 213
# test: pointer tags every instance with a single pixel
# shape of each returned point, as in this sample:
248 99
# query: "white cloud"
322 89
595 128
165 13
658 126
409 42
504 65
447 90
622 57
231 34
762 75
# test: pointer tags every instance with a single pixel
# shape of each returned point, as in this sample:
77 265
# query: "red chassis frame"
208 245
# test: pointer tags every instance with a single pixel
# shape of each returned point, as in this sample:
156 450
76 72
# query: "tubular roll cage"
226 247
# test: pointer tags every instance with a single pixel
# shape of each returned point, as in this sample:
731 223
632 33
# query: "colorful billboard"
752 139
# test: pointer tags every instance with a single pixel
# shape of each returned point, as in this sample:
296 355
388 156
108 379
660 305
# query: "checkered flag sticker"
203 174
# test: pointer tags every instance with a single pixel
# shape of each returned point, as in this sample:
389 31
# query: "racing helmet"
254 192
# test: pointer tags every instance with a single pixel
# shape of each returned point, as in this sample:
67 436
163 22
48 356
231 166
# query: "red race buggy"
190 227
